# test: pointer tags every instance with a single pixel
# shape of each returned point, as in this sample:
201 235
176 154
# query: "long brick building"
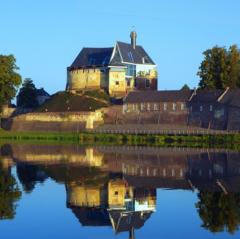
215 109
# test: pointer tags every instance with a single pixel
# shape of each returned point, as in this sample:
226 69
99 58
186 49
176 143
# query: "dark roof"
42 92
131 55
123 221
89 57
158 96
91 216
232 97
206 96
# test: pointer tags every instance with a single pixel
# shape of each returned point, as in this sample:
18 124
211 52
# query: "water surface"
50 191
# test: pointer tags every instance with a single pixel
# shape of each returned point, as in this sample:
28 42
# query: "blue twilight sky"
46 35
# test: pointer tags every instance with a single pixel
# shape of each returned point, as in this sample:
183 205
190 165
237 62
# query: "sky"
45 36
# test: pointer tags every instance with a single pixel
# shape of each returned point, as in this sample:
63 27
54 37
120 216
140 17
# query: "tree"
27 96
9 78
185 87
219 211
220 68
9 194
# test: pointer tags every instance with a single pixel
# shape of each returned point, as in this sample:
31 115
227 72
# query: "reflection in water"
114 203
116 186
219 211
9 191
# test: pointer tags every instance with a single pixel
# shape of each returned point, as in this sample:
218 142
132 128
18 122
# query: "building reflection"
115 203
116 186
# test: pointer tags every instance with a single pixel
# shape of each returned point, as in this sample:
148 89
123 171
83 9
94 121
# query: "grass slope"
67 102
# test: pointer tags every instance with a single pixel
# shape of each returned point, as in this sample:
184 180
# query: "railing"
165 131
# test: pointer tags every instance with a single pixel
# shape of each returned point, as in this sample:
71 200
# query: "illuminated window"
142 106
182 106
174 106
201 108
155 107
211 108
165 106
148 107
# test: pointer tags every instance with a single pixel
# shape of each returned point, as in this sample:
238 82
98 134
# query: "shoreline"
228 141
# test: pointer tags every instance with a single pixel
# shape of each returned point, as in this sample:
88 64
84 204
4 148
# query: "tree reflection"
219 211
9 194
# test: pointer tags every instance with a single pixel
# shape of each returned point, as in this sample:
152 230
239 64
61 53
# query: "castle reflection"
116 186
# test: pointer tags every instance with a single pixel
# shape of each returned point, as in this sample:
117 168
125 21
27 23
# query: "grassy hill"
67 102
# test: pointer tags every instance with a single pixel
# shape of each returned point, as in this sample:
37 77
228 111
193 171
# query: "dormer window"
130 56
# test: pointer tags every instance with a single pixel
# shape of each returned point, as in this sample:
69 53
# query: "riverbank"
230 141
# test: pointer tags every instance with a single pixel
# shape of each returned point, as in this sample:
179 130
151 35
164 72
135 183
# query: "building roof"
89 57
135 56
41 92
158 96
99 57
231 98
91 216
206 96
123 221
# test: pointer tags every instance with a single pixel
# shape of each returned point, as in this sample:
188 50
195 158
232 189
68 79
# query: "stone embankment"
57 121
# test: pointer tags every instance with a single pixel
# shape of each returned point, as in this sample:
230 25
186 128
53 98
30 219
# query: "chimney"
133 36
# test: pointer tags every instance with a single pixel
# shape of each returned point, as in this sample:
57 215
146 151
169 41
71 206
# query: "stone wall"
81 79
74 121
116 114
7 111
117 82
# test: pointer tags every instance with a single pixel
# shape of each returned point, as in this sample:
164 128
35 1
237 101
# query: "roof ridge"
128 43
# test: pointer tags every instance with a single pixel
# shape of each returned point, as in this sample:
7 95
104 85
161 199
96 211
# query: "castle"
117 70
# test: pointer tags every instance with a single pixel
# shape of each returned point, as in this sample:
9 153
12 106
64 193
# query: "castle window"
211 108
117 82
174 106
142 106
165 106
155 107
201 108
116 193
182 106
